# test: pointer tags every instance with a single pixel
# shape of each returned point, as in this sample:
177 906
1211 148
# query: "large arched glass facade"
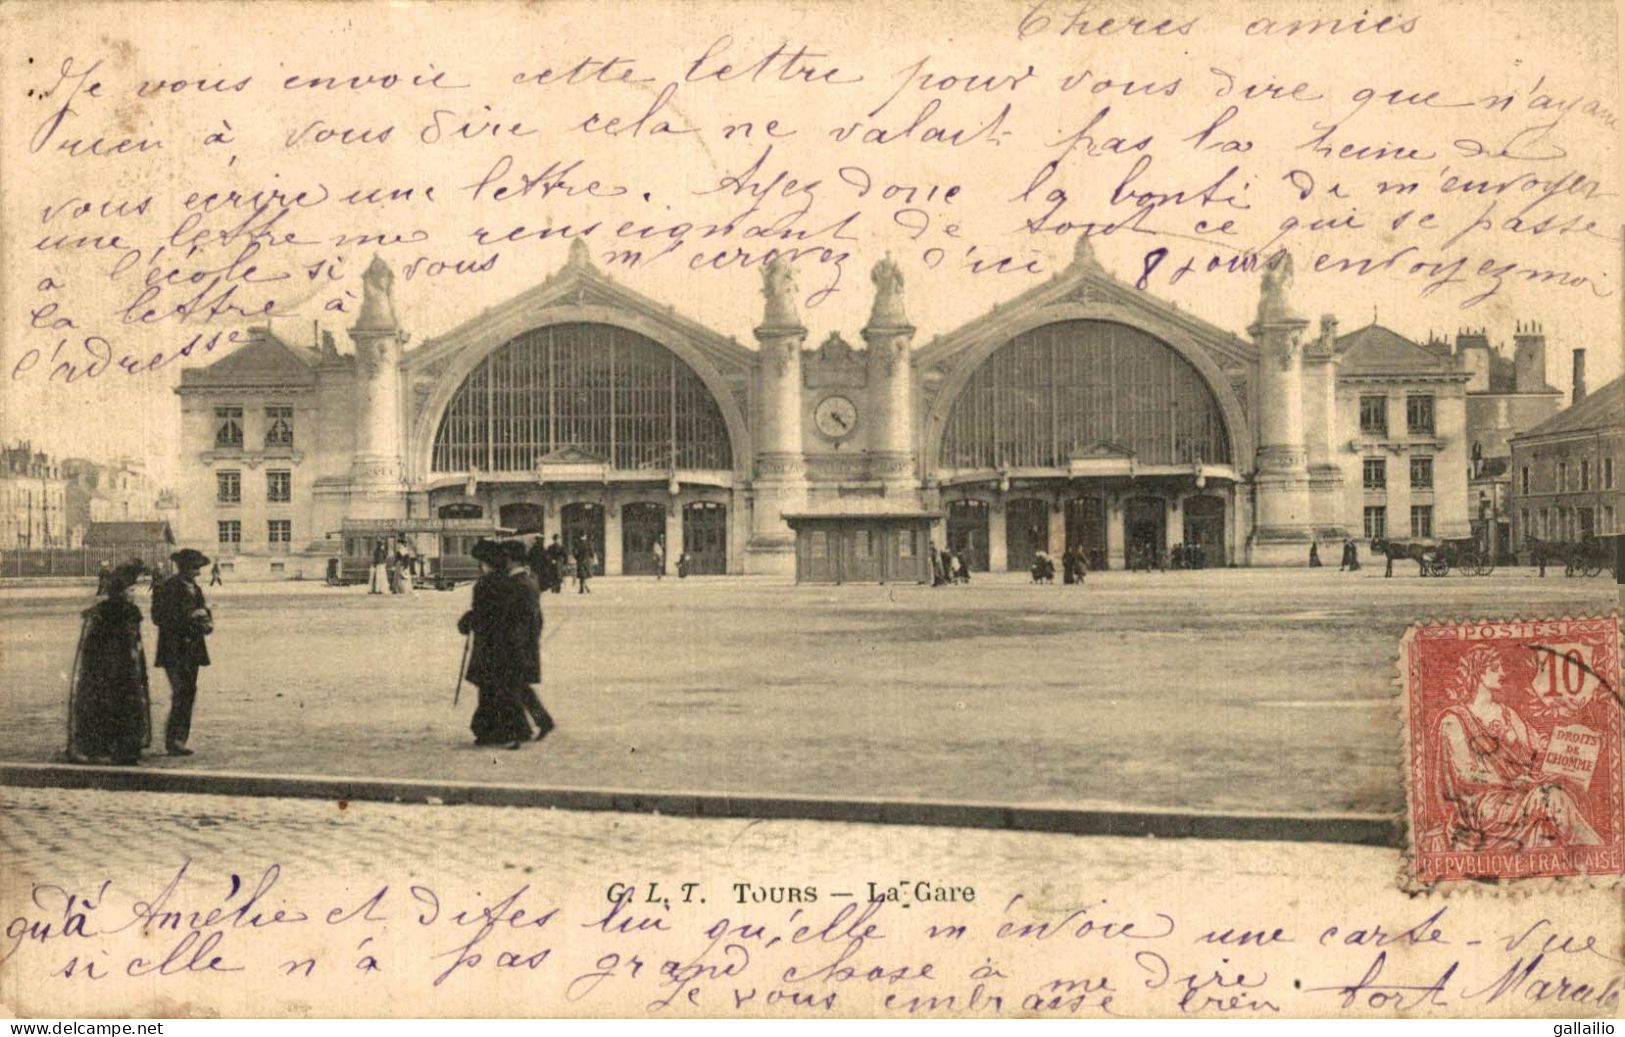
602 389
1058 390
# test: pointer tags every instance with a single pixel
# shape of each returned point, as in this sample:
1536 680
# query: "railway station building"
1082 413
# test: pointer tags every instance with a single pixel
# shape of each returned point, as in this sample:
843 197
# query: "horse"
1542 551
1393 549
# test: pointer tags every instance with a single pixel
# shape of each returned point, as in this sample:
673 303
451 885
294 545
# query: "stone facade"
584 409
1564 472
34 501
120 491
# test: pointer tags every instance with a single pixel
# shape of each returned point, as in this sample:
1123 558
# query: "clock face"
836 417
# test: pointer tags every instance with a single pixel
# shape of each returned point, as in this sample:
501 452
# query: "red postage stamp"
1513 746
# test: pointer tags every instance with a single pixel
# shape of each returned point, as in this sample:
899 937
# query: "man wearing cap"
499 663
183 621
528 621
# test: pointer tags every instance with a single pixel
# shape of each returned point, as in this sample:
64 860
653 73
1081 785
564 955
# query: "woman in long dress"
1489 773
110 704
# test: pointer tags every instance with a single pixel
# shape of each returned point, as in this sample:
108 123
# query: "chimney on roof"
1473 357
1579 376
1529 358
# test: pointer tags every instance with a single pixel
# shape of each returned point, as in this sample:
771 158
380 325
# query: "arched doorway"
521 518
643 523
1144 530
1026 532
967 532
1086 528
1204 529
584 520
705 537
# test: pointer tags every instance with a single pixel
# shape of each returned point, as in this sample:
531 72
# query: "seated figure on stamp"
1489 768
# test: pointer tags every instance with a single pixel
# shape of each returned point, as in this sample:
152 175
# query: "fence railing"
76 561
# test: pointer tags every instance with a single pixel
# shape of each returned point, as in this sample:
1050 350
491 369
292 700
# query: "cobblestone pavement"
501 911
1247 690
42 831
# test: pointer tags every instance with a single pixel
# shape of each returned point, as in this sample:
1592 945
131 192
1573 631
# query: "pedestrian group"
109 697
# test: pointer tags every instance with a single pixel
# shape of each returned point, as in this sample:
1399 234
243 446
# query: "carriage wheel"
1593 568
1484 567
1467 564
1440 568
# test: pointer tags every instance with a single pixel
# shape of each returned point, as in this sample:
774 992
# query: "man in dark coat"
1351 557
584 564
519 571
506 653
560 558
540 563
184 622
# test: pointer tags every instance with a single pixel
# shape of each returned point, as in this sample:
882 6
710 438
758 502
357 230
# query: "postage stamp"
1513 749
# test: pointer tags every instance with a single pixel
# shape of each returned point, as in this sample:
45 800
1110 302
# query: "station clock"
836 417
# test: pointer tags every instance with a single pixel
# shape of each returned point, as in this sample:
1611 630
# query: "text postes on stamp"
1513 749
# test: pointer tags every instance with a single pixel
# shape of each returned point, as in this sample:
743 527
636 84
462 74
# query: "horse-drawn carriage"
1589 557
1592 555
1464 554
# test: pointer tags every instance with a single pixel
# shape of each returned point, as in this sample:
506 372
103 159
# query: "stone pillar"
1057 531
780 482
674 534
890 392
1320 364
1116 536
612 536
998 559
1284 522
376 487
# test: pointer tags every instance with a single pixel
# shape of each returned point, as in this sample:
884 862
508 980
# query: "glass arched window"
598 388
279 426
1075 386
228 428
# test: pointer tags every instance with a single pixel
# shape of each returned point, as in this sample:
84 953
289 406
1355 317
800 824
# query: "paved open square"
1247 690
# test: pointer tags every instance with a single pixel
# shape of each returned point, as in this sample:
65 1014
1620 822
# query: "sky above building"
975 152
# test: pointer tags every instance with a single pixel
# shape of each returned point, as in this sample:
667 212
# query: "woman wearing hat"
497 660
110 713
183 621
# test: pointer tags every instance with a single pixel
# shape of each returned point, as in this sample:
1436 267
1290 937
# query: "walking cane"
146 695
468 639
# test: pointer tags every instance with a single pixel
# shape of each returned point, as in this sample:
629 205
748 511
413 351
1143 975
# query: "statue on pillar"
580 254
377 297
1272 302
1083 253
888 308
779 289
